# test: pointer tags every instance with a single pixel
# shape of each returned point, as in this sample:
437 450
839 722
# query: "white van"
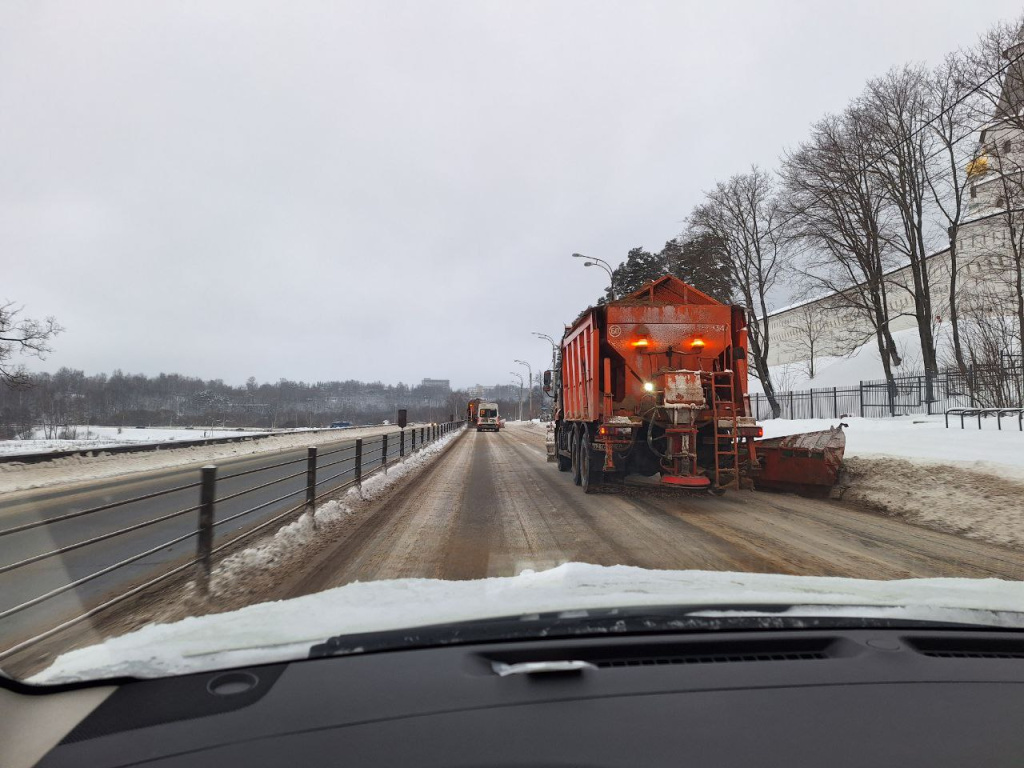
487 417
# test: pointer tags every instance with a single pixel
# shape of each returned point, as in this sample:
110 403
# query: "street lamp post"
593 261
530 374
554 348
520 376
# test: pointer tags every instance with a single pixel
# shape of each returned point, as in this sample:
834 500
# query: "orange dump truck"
656 384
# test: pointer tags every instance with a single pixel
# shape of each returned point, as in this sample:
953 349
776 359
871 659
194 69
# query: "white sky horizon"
388 191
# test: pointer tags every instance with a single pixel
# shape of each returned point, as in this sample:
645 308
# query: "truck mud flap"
807 464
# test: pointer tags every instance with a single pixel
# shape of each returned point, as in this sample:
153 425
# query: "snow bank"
922 438
863 364
282 630
968 482
236 575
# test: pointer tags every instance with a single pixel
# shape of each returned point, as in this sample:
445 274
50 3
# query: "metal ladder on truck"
724 408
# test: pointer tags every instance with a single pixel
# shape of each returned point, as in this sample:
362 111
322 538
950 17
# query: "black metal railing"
1014 414
978 387
300 484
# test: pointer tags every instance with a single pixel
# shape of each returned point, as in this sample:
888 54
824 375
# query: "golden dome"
978 166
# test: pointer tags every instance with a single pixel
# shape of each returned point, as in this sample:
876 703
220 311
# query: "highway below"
280 472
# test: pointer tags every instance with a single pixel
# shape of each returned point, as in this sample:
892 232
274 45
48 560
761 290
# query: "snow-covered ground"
16 476
90 437
275 631
863 364
535 425
969 482
923 438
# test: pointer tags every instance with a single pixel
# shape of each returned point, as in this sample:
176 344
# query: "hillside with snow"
863 364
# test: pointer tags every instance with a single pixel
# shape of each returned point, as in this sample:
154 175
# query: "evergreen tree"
697 260
701 262
639 267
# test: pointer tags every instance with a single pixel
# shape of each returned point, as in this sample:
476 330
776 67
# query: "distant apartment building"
441 385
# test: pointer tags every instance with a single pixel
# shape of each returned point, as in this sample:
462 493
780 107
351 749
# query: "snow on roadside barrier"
234 576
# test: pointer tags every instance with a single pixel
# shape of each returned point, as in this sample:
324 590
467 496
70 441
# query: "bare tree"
994 67
955 104
22 336
743 216
812 327
895 111
1003 254
839 212
989 333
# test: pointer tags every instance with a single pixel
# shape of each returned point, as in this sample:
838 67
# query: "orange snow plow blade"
807 464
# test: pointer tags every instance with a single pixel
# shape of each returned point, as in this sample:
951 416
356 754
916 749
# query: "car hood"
284 630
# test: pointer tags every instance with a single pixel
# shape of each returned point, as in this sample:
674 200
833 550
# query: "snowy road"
492 506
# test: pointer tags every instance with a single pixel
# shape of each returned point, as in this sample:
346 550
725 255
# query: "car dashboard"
860 697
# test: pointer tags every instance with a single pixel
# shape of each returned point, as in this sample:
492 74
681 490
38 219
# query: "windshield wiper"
608 621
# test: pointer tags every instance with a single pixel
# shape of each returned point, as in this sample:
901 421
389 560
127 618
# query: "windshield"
754 330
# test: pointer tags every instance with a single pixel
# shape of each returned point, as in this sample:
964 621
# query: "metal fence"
227 508
990 386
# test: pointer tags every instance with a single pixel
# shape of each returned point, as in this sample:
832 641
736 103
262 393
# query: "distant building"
443 385
477 391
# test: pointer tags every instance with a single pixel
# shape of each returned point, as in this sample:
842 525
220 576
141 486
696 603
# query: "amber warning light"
697 345
641 343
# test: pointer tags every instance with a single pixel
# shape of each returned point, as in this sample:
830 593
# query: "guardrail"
984 413
36 457
345 466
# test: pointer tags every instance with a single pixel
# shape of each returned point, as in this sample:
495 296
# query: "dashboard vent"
648 653
974 654
713 658
957 647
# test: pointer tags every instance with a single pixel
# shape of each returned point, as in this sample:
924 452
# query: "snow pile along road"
276 631
255 570
969 482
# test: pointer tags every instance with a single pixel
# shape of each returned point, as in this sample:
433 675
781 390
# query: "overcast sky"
387 190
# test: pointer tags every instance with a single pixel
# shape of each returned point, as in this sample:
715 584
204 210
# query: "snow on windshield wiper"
611 621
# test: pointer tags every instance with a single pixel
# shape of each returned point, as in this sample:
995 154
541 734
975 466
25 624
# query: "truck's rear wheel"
564 462
574 450
590 470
